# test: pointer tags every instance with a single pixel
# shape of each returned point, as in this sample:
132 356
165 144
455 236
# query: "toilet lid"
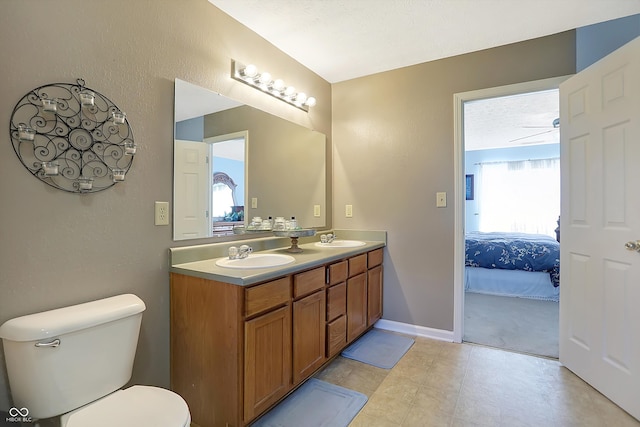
137 406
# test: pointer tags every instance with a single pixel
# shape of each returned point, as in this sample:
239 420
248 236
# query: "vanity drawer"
336 301
307 282
268 295
357 265
336 335
337 272
374 258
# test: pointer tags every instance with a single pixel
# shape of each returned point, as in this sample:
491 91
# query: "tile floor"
444 384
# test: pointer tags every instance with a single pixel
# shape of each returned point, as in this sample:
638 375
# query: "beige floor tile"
611 414
388 408
398 386
479 409
364 420
422 417
435 400
460 385
459 422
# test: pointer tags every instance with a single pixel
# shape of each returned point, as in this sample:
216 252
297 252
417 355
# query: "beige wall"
393 150
59 248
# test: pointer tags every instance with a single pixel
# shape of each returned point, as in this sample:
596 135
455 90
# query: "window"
521 196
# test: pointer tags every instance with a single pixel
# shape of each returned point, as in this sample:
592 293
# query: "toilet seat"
136 406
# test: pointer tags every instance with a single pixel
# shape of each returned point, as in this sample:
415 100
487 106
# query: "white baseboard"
420 331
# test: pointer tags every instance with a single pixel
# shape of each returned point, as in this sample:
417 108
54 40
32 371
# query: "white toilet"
72 362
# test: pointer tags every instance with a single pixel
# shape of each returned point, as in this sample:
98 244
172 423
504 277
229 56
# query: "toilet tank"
62 359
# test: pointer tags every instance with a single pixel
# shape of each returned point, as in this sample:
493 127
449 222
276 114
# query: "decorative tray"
299 232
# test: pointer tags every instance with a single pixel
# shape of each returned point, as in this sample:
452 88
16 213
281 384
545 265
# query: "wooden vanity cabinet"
356 306
374 286
357 297
267 345
237 350
308 323
337 274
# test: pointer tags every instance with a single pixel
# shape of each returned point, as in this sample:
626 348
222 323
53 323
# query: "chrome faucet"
327 238
243 252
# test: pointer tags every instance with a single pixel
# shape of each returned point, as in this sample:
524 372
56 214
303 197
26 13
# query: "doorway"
534 144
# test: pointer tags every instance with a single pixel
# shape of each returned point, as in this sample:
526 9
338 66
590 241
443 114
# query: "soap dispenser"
293 224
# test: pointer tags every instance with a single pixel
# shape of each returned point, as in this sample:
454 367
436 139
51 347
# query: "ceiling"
345 39
512 121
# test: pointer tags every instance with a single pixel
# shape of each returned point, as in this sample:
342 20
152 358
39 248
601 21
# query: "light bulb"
264 78
301 97
311 101
278 85
289 91
250 71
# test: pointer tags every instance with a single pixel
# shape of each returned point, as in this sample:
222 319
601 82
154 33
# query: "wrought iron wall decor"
72 137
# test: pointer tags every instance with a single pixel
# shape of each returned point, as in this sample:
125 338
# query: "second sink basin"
256 261
341 244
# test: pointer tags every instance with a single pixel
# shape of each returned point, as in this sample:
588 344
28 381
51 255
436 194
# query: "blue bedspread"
514 251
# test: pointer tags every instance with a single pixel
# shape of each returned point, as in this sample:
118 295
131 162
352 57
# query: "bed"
513 264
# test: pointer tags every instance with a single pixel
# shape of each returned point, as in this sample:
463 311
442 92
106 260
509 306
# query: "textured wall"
393 150
59 248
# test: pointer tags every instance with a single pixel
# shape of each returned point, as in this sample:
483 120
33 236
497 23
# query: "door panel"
191 190
600 280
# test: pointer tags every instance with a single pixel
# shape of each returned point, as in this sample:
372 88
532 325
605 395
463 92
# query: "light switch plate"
254 203
441 199
316 210
348 211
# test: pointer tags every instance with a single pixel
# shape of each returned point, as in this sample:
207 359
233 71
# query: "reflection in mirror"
221 179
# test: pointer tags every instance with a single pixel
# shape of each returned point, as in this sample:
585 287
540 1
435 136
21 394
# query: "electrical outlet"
162 213
316 210
441 199
348 211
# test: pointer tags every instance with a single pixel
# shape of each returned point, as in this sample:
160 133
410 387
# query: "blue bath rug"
315 404
378 348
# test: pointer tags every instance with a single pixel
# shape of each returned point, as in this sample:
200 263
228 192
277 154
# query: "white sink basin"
256 261
341 244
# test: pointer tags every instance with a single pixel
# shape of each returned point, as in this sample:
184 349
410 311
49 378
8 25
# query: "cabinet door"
336 335
336 301
356 306
267 360
308 335
374 295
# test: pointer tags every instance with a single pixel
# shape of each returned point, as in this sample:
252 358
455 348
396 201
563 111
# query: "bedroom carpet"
518 324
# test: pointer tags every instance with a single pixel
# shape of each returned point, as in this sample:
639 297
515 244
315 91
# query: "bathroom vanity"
241 340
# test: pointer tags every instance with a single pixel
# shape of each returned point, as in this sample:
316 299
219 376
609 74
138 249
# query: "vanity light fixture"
248 74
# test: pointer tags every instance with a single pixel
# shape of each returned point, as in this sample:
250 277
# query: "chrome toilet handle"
54 343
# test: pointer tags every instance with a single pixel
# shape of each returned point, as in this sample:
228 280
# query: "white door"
600 212
191 190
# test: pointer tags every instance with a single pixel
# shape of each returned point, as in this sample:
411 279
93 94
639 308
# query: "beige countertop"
312 256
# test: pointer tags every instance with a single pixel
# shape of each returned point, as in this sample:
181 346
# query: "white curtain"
522 196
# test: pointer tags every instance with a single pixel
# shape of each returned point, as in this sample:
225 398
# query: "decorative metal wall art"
72 138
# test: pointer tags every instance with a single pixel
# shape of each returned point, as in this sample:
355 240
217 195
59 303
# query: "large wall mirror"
233 162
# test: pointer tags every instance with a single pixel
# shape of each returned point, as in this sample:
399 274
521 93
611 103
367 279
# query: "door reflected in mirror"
217 171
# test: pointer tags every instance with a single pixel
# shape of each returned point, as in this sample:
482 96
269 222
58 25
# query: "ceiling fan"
555 125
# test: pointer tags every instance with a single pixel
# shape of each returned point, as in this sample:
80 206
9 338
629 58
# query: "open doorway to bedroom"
512 207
